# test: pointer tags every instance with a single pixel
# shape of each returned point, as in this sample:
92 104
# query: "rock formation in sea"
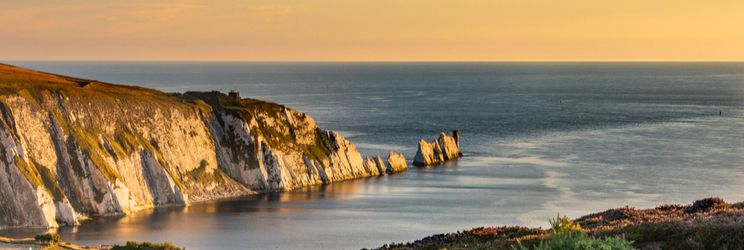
438 151
395 163
71 149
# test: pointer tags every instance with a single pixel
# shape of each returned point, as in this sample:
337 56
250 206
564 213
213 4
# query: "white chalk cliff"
71 149
438 151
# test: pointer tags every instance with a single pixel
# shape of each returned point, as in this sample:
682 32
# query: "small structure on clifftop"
440 150
234 93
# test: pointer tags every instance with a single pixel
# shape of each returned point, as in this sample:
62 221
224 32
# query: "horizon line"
392 61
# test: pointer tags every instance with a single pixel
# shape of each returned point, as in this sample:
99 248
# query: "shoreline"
195 203
43 245
237 145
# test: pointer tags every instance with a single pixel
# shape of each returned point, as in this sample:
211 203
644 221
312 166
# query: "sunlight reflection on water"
538 139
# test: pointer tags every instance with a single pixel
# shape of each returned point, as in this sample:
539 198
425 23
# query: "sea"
538 138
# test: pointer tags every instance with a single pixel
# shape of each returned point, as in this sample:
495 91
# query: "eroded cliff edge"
72 148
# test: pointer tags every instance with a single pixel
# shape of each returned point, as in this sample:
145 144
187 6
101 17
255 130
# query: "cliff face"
265 146
438 151
72 148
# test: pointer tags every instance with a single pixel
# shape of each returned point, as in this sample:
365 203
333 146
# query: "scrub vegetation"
271 122
567 234
133 245
47 238
201 175
709 223
40 175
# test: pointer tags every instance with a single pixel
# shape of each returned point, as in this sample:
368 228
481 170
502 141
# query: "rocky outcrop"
374 165
71 149
395 163
438 151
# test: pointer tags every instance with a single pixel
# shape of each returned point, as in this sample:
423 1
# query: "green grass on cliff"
50 182
320 150
40 176
30 172
169 171
34 86
88 141
38 87
201 175
133 245
247 109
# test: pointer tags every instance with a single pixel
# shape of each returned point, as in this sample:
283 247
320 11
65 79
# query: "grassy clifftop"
41 89
33 85
317 147
708 223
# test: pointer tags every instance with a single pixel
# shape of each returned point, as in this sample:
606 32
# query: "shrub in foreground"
567 235
53 238
563 225
707 224
580 241
698 234
706 204
493 237
133 245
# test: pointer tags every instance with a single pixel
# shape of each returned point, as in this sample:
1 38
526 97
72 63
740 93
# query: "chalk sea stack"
73 148
438 151
395 163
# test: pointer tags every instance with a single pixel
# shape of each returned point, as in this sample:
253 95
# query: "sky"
372 30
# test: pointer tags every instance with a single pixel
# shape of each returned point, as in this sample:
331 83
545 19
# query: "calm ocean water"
538 139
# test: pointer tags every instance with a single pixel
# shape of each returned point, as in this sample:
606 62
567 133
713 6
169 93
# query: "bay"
538 139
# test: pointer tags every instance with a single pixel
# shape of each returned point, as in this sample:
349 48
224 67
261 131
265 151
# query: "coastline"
708 223
77 149
632 177
30 242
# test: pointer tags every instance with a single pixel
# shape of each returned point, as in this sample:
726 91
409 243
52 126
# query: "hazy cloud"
372 30
176 10
276 9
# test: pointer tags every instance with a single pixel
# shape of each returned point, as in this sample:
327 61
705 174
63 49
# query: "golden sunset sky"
373 30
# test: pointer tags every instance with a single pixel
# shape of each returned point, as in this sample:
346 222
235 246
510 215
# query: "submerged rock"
70 151
438 151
